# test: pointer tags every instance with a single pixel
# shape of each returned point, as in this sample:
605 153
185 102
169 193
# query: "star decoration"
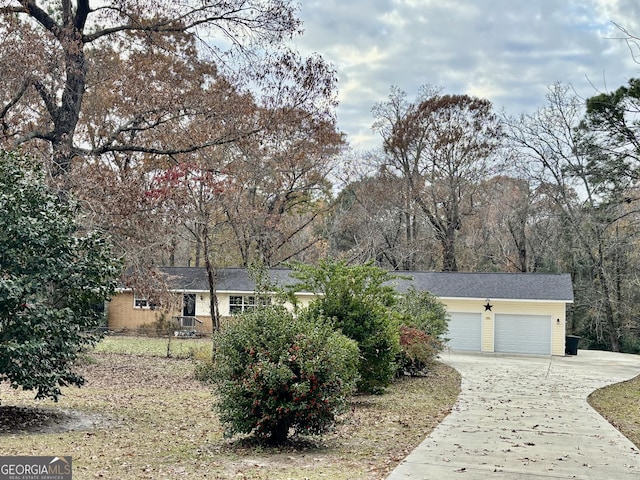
487 307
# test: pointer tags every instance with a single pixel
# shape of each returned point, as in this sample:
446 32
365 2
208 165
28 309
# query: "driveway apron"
527 417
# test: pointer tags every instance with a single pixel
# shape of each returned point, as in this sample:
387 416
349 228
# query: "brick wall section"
122 315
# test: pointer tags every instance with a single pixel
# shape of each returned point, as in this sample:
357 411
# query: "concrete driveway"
527 417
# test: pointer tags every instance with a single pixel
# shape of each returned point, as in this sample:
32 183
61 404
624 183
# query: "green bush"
423 323
372 327
273 373
53 277
423 311
358 299
629 344
418 349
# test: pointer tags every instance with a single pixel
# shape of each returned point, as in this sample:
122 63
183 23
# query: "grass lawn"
174 347
142 415
620 405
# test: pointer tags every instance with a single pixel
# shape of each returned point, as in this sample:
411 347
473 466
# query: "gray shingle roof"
507 286
229 279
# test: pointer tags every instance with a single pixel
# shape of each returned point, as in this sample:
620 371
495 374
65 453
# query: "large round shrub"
373 328
358 298
54 277
274 373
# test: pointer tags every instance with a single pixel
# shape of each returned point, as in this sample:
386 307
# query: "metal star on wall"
487 307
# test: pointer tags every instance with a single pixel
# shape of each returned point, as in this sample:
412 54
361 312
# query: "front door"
189 305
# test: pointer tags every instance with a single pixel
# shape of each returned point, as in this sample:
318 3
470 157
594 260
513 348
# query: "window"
239 303
142 302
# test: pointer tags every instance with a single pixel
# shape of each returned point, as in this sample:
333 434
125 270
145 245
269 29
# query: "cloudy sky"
507 51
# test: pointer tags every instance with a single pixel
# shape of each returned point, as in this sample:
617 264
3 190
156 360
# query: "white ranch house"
521 313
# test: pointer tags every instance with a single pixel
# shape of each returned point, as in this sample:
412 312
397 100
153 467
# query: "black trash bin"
571 344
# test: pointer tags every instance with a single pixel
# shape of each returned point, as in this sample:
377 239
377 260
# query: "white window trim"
141 303
247 302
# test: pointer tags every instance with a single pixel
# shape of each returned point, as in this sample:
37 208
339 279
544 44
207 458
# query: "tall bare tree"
566 158
372 222
442 146
282 188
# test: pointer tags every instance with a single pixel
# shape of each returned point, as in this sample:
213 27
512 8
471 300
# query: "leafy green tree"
53 279
358 298
274 372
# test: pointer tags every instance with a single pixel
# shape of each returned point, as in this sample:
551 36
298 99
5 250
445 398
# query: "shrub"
372 327
423 319
357 299
423 311
53 277
162 326
274 373
203 370
629 344
418 350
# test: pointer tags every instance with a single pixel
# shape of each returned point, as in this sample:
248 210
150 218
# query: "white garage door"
523 334
464 331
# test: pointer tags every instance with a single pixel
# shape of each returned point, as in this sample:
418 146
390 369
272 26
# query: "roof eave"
492 299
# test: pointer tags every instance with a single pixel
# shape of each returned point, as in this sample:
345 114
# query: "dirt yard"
141 416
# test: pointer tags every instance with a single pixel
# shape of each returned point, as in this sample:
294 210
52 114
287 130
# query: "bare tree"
281 188
442 146
562 156
372 222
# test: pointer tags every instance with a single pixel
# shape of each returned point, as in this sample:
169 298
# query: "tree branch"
48 100
82 12
172 25
42 17
15 99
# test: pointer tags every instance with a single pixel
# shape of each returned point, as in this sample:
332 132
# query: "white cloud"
508 51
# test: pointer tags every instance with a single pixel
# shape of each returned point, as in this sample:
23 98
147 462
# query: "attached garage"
526 334
465 331
522 313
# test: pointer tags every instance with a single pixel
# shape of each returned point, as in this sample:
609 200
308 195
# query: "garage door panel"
465 331
529 334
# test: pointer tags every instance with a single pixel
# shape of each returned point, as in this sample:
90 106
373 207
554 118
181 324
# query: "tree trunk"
65 116
448 242
198 246
211 280
408 261
610 315
280 432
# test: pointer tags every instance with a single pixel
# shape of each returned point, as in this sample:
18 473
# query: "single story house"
235 290
521 313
